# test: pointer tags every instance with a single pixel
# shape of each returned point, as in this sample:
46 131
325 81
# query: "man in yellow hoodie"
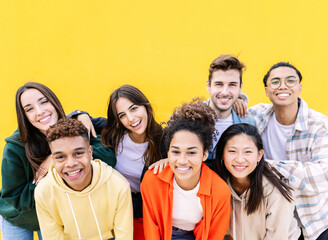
81 198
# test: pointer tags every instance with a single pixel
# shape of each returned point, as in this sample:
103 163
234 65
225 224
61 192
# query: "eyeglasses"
289 82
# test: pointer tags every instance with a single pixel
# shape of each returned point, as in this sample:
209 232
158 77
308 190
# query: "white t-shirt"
130 161
187 210
274 139
220 126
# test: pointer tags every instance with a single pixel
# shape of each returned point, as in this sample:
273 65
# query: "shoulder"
218 186
258 108
44 188
113 176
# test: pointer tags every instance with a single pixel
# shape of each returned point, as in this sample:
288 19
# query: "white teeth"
239 167
283 94
135 124
44 119
73 173
183 169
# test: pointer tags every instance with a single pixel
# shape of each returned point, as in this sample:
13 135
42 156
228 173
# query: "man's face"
224 90
283 95
72 160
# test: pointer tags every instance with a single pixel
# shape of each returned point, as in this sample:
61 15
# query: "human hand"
240 108
159 165
85 119
42 170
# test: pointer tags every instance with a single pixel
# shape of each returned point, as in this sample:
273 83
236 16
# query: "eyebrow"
27 105
189 148
128 108
285 77
75 149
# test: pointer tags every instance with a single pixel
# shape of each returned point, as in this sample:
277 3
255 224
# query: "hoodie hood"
100 175
15 139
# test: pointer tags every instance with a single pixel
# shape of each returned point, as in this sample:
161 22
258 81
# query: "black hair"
256 177
281 64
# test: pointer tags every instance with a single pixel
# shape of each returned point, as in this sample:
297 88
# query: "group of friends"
214 171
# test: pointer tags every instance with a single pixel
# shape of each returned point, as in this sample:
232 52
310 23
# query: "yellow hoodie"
102 210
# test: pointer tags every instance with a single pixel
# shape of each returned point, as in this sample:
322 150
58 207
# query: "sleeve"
221 216
48 225
151 228
101 152
98 123
279 217
307 175
17 187
123 222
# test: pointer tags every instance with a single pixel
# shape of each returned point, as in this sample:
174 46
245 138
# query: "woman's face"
240 156
38 110
186 155
133 117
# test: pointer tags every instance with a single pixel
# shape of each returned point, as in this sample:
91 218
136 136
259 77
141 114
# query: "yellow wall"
83 50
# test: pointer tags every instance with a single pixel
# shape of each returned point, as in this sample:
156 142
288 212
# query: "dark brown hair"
36 146
224 63
114 130
195 117
67 127
256 177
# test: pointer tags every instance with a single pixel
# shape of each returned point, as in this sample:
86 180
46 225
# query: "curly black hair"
196 117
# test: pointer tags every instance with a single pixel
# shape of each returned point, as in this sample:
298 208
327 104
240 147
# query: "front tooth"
44 119
283 95
133 125
73 173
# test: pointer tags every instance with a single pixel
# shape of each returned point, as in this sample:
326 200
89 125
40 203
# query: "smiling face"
186 154
224 89
38 110
240 156
283 95
72 160
134 118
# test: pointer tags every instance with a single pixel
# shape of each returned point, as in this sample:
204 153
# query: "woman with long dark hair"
261 204
26 159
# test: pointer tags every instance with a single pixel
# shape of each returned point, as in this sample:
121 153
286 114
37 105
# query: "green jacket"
17 204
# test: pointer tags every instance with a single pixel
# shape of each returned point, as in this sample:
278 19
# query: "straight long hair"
36 145
256 177
114 130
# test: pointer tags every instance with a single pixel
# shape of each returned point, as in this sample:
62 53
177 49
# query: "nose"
283 84
183 159
71 162
240 158
130 117
39 109
225 90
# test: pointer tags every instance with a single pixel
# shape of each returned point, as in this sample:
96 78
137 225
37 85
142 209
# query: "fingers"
156 168
93 132
40 173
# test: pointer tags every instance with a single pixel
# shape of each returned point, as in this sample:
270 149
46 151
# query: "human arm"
240 106
150 226
17 187
101 152
280 223
43 169
50 229
123 222
95 125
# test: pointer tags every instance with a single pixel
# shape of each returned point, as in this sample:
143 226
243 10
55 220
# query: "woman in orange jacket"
186 200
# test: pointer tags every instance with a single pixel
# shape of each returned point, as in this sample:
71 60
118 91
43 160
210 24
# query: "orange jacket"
157 194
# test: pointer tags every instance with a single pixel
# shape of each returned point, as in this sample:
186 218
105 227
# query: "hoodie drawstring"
77 227
94 214
233 219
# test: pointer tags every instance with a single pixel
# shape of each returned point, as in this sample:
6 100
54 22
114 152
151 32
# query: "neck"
187 184
286 115
240 185
219 113
137 138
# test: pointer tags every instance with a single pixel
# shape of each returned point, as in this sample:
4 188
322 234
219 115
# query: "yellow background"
83 50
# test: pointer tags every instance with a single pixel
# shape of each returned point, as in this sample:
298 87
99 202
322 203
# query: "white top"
187 210
275 139
220 126
130 161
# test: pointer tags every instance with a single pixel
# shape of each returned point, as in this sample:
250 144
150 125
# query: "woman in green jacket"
26 159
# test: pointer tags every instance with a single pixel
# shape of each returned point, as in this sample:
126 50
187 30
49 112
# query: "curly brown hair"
67 127
196 117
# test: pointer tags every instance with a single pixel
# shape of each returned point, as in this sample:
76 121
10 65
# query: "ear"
208 85
205 155
266 91
261 152
90 152
300 88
